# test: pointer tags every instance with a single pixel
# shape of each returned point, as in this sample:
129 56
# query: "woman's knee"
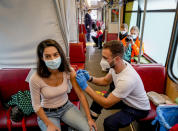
42 125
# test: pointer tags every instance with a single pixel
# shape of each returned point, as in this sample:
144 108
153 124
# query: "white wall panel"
23 24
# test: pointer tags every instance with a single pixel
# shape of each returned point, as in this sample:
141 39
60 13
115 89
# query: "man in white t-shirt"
128 95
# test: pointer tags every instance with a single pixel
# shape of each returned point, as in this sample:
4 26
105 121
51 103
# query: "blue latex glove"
86 74
81 80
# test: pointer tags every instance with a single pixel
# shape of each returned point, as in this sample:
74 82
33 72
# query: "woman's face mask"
123 32
134 36
53 64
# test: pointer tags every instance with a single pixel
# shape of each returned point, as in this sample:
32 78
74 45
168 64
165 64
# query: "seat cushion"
30 121
151 115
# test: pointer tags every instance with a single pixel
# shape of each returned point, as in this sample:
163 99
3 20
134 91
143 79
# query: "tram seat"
12 81
103 35
112 36
77 55
83 40
82 29
154 79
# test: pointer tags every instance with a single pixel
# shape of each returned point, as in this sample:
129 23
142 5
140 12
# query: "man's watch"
91 79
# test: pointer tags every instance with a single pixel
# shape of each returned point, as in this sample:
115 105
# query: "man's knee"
109 125
113 124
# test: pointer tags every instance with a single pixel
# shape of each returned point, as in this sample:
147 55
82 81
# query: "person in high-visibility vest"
134 33
123 31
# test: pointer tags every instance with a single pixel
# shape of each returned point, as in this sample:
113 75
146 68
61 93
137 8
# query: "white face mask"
123 32
104 64
53 64
134 36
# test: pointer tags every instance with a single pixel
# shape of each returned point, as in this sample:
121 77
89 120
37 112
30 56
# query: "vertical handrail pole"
119 20
107 21
81 16
77 20
143 23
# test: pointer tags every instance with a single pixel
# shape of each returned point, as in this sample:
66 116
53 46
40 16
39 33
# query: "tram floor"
92 65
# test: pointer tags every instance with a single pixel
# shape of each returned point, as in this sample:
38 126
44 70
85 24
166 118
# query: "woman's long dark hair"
42 69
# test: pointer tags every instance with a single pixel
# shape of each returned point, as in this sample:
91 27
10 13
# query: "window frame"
173 49
138 22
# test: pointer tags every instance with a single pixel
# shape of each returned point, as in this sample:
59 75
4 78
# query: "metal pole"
77 24
107 21
138 15
81 16
119 22
143 23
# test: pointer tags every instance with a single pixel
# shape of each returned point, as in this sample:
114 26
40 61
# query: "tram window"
131 13
157 34
159 4
93 14
132 6
131 19
158 25
175 65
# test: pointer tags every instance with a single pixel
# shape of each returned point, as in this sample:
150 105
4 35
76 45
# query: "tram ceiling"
93 4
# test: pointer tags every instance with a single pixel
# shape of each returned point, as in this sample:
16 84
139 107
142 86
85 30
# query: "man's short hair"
135 28
89 10
124 25
116 47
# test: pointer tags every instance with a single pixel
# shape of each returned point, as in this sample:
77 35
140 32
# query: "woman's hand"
52 127
92 124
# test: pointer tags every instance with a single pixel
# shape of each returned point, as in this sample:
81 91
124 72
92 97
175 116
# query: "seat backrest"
153 76
12 81
76 53
82 28
112 36
82 39
103 35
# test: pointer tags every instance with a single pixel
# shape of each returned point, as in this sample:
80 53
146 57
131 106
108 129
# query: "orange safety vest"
135 48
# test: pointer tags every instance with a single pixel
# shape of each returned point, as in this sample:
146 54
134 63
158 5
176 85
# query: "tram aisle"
92 65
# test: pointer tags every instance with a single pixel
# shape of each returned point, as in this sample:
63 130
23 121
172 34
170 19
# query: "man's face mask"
53 64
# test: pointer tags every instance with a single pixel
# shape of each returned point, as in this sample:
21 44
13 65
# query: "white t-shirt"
129 87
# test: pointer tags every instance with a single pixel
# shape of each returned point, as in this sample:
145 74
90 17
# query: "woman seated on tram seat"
134 32
95 38
50 84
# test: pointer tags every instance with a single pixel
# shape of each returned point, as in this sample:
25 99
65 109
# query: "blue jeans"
69 114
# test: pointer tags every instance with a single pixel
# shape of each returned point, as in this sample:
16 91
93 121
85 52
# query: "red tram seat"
82 29
77 55
112 36
12 81
83 40
154 79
